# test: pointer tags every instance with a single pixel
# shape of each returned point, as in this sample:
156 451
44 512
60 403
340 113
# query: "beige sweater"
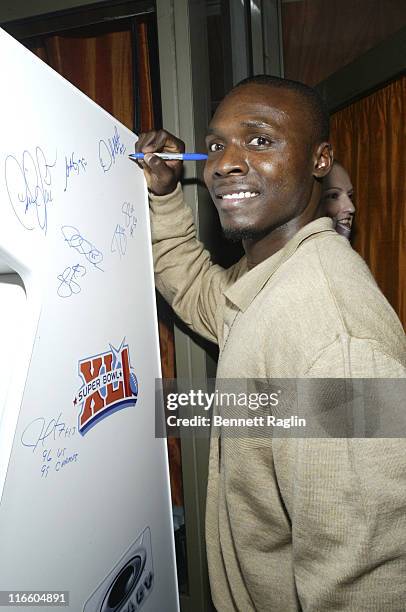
304 524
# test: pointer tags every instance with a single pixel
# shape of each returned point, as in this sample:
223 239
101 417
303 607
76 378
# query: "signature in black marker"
75 166
81 245
110 150
41 430
29 183
68 281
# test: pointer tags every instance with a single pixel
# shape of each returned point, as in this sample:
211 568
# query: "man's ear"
323 160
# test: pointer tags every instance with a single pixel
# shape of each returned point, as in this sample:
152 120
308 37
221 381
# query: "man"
311 524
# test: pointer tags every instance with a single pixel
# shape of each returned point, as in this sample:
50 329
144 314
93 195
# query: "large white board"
85 500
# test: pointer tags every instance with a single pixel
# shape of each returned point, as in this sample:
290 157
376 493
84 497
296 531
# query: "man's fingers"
162 178
158 141
153 161
161 175
163 141
144 140
158 167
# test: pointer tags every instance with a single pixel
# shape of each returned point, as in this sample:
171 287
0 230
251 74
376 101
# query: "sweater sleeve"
348 508
184 272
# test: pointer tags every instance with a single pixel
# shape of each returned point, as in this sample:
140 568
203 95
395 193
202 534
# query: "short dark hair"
313 103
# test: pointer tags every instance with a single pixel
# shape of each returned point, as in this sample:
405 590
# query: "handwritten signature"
29 183
81 245
68 280
72 166
110 150
41 430
119 240
130 219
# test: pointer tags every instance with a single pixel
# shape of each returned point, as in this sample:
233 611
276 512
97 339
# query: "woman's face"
336 199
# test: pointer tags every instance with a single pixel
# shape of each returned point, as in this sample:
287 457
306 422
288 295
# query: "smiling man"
291 524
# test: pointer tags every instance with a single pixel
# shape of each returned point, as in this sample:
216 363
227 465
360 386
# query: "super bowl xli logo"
109 384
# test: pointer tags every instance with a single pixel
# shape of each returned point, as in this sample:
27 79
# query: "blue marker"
180 156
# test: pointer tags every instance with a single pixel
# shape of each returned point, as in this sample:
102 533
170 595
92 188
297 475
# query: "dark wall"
21 9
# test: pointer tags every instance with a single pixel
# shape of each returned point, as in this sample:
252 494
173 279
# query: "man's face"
260 163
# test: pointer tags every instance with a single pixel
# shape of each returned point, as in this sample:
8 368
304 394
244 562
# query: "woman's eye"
215 146
332 196
259 141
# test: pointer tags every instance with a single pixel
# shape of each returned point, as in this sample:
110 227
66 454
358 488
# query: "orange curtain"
99 61
369 139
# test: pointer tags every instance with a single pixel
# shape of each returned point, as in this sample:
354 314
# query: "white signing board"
85 515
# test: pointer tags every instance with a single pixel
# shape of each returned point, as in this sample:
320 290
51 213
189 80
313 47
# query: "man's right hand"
161 176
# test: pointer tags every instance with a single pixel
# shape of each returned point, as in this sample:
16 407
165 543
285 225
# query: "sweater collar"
247 287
